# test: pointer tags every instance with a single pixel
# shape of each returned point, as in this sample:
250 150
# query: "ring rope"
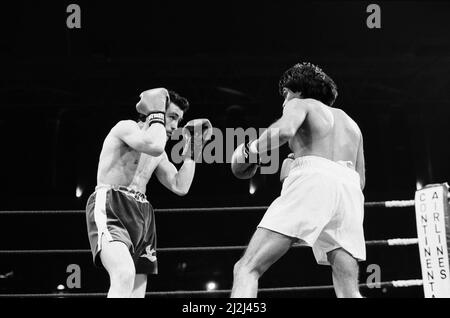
395 284
390 242
407 283
399 204
403 242
384 204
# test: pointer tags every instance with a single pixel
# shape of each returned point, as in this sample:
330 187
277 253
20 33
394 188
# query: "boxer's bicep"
129 132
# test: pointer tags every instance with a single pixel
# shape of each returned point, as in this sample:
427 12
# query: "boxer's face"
173 117
288 95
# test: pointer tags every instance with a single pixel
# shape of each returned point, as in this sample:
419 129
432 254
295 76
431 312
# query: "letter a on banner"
432 231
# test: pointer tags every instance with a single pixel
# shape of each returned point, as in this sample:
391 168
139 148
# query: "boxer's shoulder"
115 135
307 105
124 126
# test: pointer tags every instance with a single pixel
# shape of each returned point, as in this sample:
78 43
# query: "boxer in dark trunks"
120 220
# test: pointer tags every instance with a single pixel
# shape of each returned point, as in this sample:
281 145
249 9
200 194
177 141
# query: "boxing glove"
196 133
153 104
241 163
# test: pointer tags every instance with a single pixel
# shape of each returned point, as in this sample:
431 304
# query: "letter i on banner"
432 231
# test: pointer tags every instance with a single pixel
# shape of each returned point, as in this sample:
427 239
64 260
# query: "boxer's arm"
280 132
151 141
360 164
177 181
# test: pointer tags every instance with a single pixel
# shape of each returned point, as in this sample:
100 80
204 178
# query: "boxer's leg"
117 260
345 273
264 249
140 286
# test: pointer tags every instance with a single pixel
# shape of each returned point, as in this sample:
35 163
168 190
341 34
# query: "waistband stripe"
126 190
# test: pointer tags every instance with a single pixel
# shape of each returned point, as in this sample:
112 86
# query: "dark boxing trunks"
124 215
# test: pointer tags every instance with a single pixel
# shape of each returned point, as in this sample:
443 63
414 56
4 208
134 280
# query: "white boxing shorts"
321 203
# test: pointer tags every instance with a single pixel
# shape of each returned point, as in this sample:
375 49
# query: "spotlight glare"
78 192
60 287
419 185
211 286
252 188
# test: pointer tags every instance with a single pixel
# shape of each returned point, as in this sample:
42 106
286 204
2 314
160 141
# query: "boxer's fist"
240 163
286 166
153 100
196 133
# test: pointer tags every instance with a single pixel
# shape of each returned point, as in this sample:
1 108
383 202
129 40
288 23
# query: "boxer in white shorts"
321 202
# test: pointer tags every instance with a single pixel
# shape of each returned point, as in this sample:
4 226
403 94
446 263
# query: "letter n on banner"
432 231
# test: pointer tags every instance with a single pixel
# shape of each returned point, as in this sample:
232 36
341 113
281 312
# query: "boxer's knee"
239 268
247 268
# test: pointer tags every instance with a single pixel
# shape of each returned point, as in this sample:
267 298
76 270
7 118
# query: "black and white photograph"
224 154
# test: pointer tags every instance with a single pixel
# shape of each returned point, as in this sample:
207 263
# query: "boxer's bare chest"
141 163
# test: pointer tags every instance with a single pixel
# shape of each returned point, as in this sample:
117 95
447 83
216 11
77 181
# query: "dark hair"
180 101
310 81
175 98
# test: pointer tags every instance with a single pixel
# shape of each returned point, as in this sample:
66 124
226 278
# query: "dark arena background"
62 89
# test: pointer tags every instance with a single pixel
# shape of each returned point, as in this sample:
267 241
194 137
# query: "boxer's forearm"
154 139
280 132
272 138
185 176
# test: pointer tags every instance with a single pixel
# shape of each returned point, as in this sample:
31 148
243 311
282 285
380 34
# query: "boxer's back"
327 132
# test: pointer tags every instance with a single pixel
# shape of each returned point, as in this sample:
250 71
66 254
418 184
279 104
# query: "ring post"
433 232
